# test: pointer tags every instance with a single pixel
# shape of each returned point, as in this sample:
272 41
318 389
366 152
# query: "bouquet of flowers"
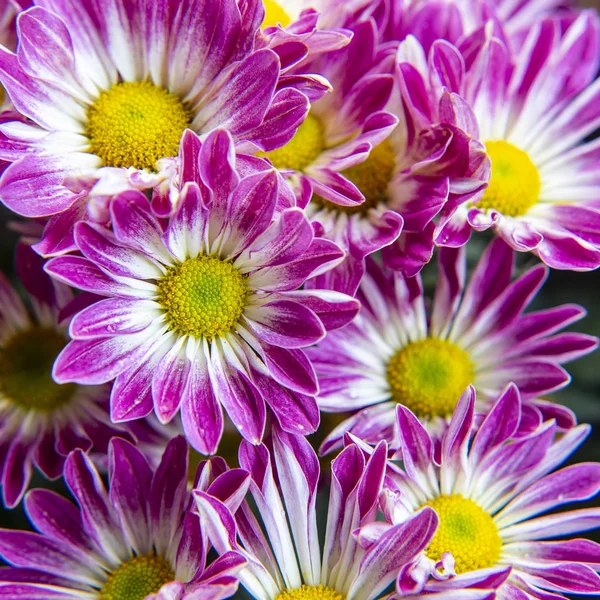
269 319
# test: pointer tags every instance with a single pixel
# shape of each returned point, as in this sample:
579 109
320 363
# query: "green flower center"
515 181
429 376
372 177
137 578
203 297
134 124
465 530
303 149
26 362
310 592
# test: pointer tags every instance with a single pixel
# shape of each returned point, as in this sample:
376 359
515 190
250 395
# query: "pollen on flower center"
274 14
515 181
428 376
302 149
203 297
26 362
134 124
310 592
372 177
137 578
465 530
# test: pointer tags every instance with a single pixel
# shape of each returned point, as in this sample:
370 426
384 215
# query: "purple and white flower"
491 492
135 540
280 542
208 313
398 352
533 111
107 89
42 421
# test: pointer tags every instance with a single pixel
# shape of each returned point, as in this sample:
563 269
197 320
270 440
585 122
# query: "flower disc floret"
26 362
203 297
135 124
465 530
137 578
310 592
428 376
274 14
514 183
303 149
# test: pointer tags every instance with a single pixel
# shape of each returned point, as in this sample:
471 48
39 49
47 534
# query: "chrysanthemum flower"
398 352
533 111
281 543
110 88
208 312
42 421
136 541
490 493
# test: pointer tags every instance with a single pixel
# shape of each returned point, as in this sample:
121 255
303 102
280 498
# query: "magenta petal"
169 382
201 413
32 186
287 324
291 368
95 361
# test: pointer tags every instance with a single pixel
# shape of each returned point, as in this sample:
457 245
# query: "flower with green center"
428 376
135 124
203 297
514 185
209 314
135 540
407 350
492 488
42 419
466 531
126 83
137 578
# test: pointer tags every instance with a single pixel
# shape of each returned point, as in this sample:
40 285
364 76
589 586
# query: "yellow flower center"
137 578
134 124
310 592
515 181
203 297
372 177
274 14
429 376
302 149
465 530
26 362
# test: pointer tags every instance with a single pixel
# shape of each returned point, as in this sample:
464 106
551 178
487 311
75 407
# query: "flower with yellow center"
135 124
515 182
465 530
137 578
492 487
428 376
